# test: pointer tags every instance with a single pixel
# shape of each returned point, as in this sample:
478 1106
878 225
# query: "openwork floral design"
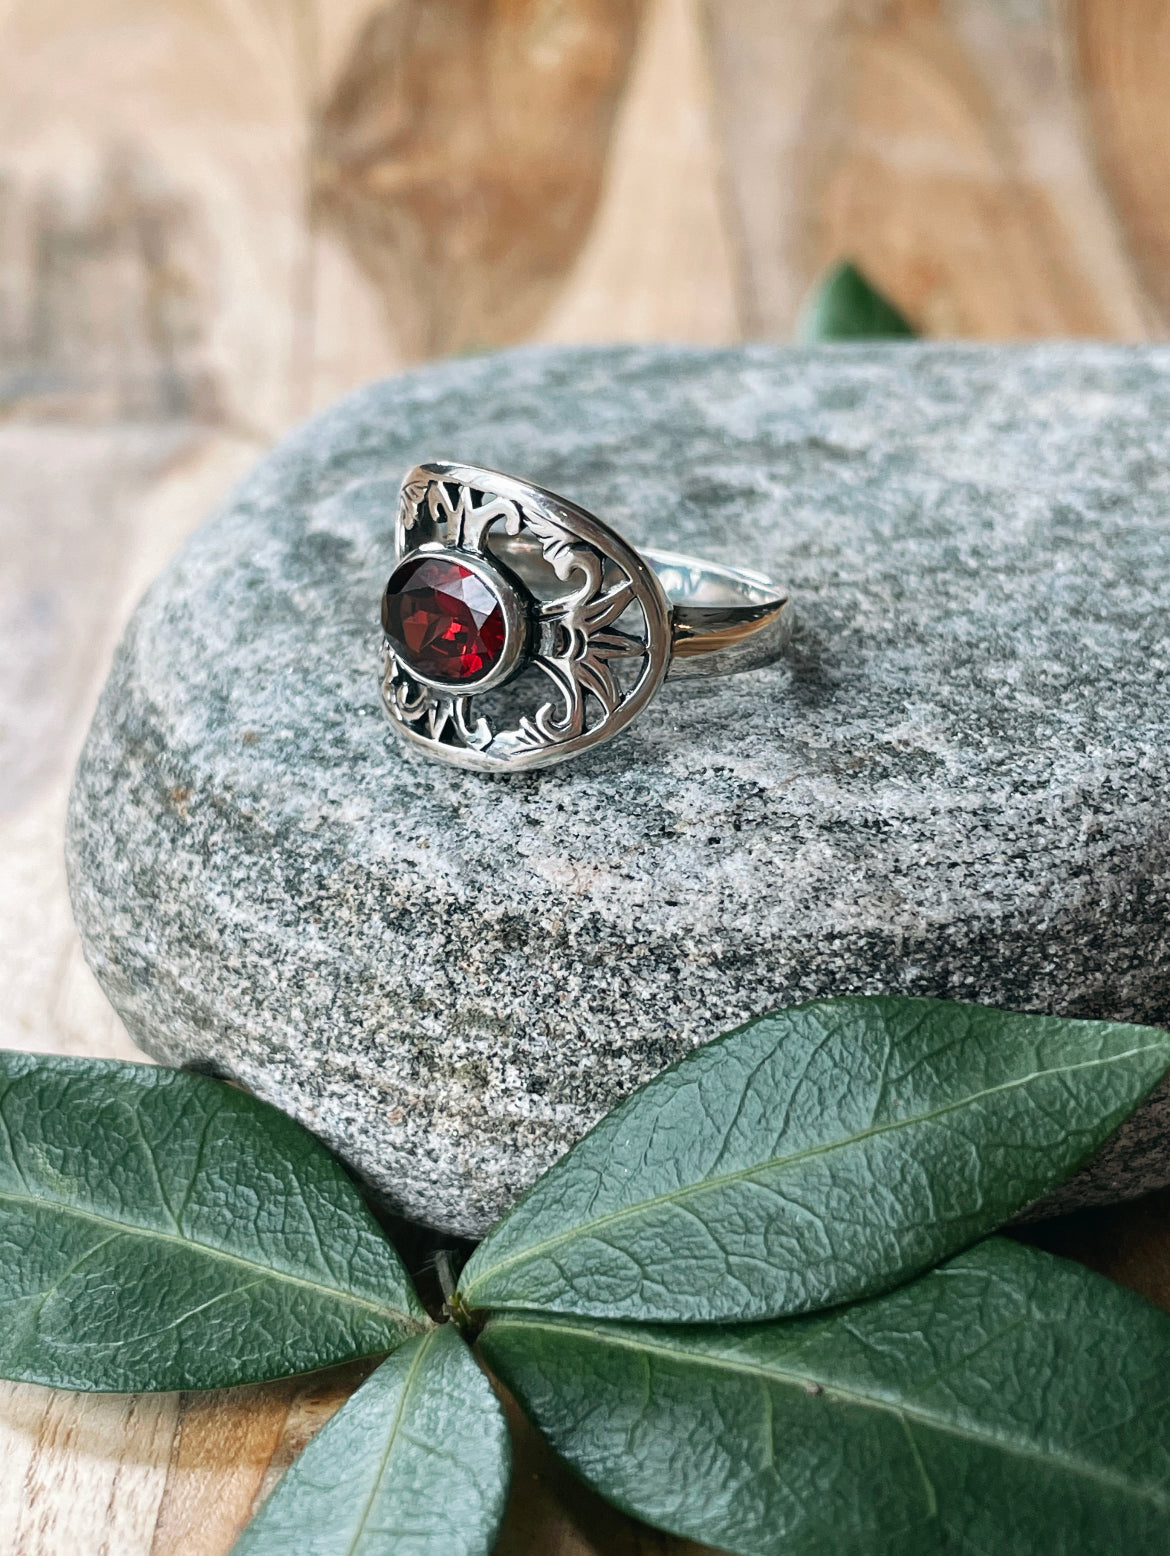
602 639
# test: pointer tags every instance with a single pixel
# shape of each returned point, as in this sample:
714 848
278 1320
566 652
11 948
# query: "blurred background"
218 215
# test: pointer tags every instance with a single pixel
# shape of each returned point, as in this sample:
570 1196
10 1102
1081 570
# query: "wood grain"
1122 53
81 1476
157 256
659 262
230 1448
938 145
460 154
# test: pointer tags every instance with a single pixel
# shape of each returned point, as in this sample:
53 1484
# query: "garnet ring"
519 629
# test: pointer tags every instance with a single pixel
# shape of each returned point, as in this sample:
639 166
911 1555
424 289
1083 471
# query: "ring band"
500 587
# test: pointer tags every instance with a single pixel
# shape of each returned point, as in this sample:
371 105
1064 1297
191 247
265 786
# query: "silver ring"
500 587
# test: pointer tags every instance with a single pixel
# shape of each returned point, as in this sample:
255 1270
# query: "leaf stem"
469 1321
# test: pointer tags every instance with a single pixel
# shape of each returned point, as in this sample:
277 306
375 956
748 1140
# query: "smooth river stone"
956 786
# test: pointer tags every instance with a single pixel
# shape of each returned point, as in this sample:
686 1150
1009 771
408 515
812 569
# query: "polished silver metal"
606 642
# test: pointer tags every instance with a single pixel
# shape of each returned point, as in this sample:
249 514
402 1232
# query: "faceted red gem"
442 619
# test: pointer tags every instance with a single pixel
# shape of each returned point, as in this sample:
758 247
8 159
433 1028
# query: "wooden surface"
217 215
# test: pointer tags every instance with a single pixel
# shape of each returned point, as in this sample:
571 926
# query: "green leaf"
814 1156
416 1462
845 306
1007 1403
159 1230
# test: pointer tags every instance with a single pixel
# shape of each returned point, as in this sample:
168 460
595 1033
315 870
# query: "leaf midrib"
207 1250
675 1196
802 1381
407 1384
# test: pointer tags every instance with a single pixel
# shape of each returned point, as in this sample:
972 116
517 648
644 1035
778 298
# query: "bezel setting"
580 606
515 607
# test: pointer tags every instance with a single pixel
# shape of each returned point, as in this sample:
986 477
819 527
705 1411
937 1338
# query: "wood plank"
1121 50
157 256
767 63
1025 55
81 1475
938 145
68 537
659 262
460 154
220 1455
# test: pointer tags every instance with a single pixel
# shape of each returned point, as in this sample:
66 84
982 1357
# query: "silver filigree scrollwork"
603 642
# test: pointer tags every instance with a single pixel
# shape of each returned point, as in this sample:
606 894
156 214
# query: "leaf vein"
762 1374
40 1202
533 1251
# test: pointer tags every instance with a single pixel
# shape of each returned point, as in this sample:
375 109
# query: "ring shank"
723 619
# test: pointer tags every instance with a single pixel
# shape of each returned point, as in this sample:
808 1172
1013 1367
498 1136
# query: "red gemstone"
442 619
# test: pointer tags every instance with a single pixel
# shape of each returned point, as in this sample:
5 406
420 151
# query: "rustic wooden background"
216 215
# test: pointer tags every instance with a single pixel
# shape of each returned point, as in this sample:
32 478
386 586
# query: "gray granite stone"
956 786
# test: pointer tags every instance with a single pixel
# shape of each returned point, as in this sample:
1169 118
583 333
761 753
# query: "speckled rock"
958 784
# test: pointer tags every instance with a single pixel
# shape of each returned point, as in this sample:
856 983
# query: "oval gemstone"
442 619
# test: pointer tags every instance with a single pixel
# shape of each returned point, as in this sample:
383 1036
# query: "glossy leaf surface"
159 1230
1008 1402
415 1462
845 306
815 1156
